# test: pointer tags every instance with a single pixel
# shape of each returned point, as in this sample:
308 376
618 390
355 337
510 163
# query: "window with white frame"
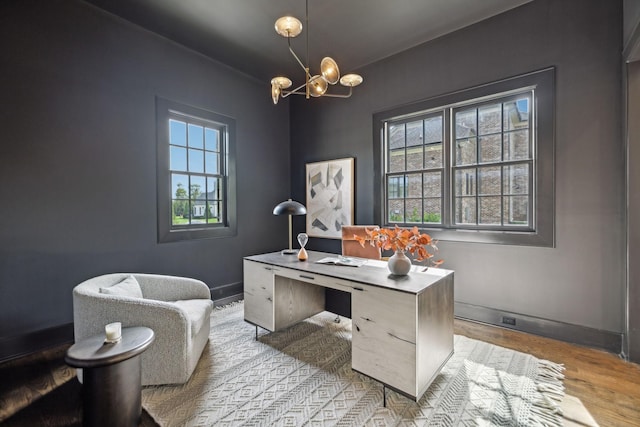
476 165
196 189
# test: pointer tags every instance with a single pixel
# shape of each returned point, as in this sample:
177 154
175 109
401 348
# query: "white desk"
402 325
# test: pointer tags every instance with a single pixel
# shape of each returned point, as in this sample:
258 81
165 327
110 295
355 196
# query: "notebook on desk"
350 262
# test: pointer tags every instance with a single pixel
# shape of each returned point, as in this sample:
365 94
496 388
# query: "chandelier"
314 85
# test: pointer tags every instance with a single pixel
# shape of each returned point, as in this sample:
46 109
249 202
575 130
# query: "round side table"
111 391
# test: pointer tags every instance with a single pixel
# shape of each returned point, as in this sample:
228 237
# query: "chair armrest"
92 312
171 288
167 360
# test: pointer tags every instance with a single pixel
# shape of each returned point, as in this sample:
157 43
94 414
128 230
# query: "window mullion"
533 156
405 179
476 189
189 197
422 190
502 164
384 132
424 165
447 181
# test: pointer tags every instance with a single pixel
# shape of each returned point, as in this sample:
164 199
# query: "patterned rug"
302 376
25 380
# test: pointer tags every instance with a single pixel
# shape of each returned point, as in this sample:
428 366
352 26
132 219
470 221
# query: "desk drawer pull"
358 289
307 277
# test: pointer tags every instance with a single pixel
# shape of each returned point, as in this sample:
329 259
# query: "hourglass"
302 239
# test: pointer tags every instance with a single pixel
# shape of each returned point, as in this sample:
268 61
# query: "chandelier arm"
340 95
306 70
286 93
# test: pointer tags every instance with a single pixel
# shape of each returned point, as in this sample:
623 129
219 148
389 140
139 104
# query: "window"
476 165
196 183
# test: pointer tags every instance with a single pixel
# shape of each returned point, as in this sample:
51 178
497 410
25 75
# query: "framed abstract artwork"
330 191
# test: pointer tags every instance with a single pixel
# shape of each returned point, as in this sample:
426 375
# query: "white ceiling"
240 33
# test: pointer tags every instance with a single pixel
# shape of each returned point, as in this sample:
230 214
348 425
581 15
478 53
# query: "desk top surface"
373 272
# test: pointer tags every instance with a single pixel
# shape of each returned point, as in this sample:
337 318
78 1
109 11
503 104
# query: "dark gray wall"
581 280
78 158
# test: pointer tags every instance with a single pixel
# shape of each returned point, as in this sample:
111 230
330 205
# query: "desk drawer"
258 276
258 294
384 357
393 311
258 309
384 336
258 288
318 279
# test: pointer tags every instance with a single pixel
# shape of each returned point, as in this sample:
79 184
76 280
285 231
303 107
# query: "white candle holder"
113 331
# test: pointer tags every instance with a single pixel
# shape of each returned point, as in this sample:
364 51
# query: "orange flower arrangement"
402 239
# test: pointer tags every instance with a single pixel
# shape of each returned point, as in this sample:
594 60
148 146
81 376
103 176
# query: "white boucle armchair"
178 309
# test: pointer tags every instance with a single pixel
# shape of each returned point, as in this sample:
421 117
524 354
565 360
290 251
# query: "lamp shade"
275 93
351 80
317 86
330 70
288 26
290 207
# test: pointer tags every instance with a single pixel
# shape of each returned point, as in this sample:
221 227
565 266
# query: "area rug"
27 379
302 377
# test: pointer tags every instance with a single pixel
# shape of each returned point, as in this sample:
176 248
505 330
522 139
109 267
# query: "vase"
399 264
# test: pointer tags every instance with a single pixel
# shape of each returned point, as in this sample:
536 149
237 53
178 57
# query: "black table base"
111 395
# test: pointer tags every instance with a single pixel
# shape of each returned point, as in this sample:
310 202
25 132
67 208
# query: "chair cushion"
129 287
198 311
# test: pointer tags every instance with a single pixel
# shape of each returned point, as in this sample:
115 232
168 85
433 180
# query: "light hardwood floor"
608 386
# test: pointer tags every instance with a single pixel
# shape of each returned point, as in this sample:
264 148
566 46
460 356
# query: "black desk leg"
384 395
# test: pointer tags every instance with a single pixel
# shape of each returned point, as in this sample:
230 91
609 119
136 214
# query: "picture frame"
330 197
